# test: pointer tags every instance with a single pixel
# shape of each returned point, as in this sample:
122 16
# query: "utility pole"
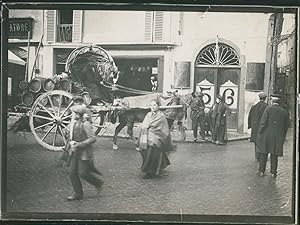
274 31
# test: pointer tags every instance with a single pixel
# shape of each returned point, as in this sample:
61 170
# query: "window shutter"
51 25
148 25
158 26
77 26
181 23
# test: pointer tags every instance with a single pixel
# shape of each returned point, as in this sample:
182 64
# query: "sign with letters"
230 92
208 90
18 28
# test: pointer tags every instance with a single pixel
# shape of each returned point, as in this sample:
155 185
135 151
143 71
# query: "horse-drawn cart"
88 68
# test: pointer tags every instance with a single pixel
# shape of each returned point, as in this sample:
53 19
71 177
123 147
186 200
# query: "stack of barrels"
39 85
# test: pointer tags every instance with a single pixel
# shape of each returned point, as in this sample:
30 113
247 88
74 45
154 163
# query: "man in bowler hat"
254 118
271 135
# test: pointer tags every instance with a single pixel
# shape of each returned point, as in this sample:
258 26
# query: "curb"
188 141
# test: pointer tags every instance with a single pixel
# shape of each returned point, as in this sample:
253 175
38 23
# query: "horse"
131 116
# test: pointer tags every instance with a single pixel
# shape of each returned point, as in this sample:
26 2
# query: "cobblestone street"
203 179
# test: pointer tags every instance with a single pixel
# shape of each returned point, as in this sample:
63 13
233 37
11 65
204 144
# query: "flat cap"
81 109
262 95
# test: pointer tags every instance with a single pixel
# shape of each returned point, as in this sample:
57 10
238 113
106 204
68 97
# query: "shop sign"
18 28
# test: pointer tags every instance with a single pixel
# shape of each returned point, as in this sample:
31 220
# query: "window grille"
218 54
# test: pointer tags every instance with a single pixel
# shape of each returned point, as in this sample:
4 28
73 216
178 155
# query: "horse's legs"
170 123
181 128
121 125
130 123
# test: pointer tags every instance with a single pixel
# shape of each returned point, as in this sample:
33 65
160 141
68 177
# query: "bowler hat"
262 95
276 96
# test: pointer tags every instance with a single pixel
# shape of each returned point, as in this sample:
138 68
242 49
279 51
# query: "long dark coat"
219 112
272 130
254 118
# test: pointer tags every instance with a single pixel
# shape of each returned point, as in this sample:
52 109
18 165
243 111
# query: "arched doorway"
217 71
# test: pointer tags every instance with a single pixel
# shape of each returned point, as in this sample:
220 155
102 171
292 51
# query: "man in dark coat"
254 118
271 135
198 115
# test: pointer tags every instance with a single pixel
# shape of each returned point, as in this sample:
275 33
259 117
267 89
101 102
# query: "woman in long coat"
219 112
271 136
154 141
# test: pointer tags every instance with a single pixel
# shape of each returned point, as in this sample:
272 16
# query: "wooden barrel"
27 98
44 101
48 85
23 85
65 85
36 84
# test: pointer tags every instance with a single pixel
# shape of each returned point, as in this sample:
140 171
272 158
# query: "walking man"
81 151
271 135
198 115
254 118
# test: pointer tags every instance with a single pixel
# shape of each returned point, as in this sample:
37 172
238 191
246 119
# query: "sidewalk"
176 135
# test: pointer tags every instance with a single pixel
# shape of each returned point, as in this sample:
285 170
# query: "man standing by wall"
271 135
254 118
198 115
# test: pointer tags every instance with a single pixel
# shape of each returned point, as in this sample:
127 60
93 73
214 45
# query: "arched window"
218 54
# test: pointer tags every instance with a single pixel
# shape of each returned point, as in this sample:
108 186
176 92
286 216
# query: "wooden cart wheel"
50 123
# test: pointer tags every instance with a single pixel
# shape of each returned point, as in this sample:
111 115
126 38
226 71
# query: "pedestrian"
198 115
271 135
207 122
154 83
154 141
81 159
175 114
219 112
254 118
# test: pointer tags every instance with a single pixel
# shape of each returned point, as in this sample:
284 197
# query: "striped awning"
12 58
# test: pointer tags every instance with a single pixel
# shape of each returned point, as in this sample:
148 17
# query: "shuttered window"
154 26
158 26
51 25
181 23
148 25
77 26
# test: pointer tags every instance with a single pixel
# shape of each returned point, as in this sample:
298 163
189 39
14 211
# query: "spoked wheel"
49 122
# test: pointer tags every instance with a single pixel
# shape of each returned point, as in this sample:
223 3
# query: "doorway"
220 81
136 73
217 72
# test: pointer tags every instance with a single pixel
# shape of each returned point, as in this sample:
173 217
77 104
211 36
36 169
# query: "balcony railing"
64 33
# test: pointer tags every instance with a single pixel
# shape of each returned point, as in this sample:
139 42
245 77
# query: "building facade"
219 53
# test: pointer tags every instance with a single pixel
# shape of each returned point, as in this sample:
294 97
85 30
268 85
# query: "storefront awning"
12 58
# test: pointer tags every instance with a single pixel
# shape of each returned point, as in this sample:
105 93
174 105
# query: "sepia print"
149 114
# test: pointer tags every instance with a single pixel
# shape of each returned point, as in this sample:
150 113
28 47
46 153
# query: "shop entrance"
217 72
136 73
